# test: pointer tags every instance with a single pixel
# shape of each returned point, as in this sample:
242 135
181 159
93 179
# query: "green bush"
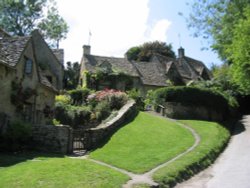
193 96
65 99
136 95
102 110
79 95
17 136
72 115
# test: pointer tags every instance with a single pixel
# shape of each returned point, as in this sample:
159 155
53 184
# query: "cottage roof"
152 73
44 80
3 33
92 63
11 49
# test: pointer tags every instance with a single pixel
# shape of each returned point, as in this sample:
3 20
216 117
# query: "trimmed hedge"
194 97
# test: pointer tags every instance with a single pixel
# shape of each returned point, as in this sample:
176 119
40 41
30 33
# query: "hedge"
193 96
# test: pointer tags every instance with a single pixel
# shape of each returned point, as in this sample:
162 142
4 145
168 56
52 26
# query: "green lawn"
144 143
213 138
59 172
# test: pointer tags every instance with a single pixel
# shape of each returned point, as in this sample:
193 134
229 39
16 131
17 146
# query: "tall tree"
148 49
215 20
54 28
71 75
20 17
239 52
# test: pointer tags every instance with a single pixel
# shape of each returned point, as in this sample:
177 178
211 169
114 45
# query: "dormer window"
28 66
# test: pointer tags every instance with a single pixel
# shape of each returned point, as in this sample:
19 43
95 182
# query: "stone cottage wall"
95 136
53 138
181 111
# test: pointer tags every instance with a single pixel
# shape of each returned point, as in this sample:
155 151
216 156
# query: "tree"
239 52
20 17
215 20
54 28
71 75
148 49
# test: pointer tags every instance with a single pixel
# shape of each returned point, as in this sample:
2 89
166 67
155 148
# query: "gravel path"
232 168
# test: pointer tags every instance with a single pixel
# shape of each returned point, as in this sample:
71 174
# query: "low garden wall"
95 136
180 111
52 138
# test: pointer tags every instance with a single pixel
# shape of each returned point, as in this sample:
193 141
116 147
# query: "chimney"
181 52
86 49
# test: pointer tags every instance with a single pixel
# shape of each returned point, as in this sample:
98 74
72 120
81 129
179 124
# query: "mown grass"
213 139
144 143
50 172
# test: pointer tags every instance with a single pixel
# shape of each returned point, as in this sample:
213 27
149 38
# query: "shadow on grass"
8 158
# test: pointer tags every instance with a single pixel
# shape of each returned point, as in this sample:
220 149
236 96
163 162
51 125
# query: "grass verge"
214 138
144 143
49 171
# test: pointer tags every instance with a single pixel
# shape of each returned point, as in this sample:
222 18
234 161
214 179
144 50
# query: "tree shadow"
11 158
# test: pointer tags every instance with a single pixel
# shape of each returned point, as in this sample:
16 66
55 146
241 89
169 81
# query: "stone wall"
181 111
51 138
95 136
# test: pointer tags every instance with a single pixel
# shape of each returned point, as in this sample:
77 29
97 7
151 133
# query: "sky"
111 27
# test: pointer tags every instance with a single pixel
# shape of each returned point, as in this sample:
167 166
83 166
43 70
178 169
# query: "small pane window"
28 66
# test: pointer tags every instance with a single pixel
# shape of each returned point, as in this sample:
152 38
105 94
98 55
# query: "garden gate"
78 140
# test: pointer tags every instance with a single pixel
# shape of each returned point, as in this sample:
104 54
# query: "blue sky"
117 25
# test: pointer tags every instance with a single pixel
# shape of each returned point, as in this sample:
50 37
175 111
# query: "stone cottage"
30 76
159 72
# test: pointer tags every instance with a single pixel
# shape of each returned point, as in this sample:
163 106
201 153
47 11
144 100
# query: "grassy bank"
144 143
213 139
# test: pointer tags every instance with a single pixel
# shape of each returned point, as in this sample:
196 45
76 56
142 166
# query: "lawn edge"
194 168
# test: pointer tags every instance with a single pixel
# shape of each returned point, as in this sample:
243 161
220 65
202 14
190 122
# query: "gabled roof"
151 73
11 49
92 63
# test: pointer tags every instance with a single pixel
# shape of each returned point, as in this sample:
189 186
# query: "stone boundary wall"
51 138
95 136
180 111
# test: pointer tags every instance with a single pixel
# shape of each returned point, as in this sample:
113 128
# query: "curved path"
232 168
146 178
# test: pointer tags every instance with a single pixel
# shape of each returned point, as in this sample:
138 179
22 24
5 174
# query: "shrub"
17 135
102 110
136 95
79 96
193 96
65 99
72 115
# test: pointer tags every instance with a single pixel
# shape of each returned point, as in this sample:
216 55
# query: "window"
49 79
28 66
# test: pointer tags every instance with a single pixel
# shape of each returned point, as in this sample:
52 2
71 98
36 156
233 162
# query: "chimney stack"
181 52
86 49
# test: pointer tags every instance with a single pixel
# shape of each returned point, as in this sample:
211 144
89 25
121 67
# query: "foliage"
64 99
193 96
216 20
238 52
56 122
131 150
94 80
200 158
74 116
71 75
18 135
43 170
136 95
54 27
81 108
20 17
79 95
148 49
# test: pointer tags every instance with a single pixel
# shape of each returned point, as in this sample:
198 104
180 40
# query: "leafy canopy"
20 17
148 49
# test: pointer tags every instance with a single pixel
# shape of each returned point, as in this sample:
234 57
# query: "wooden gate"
78 140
